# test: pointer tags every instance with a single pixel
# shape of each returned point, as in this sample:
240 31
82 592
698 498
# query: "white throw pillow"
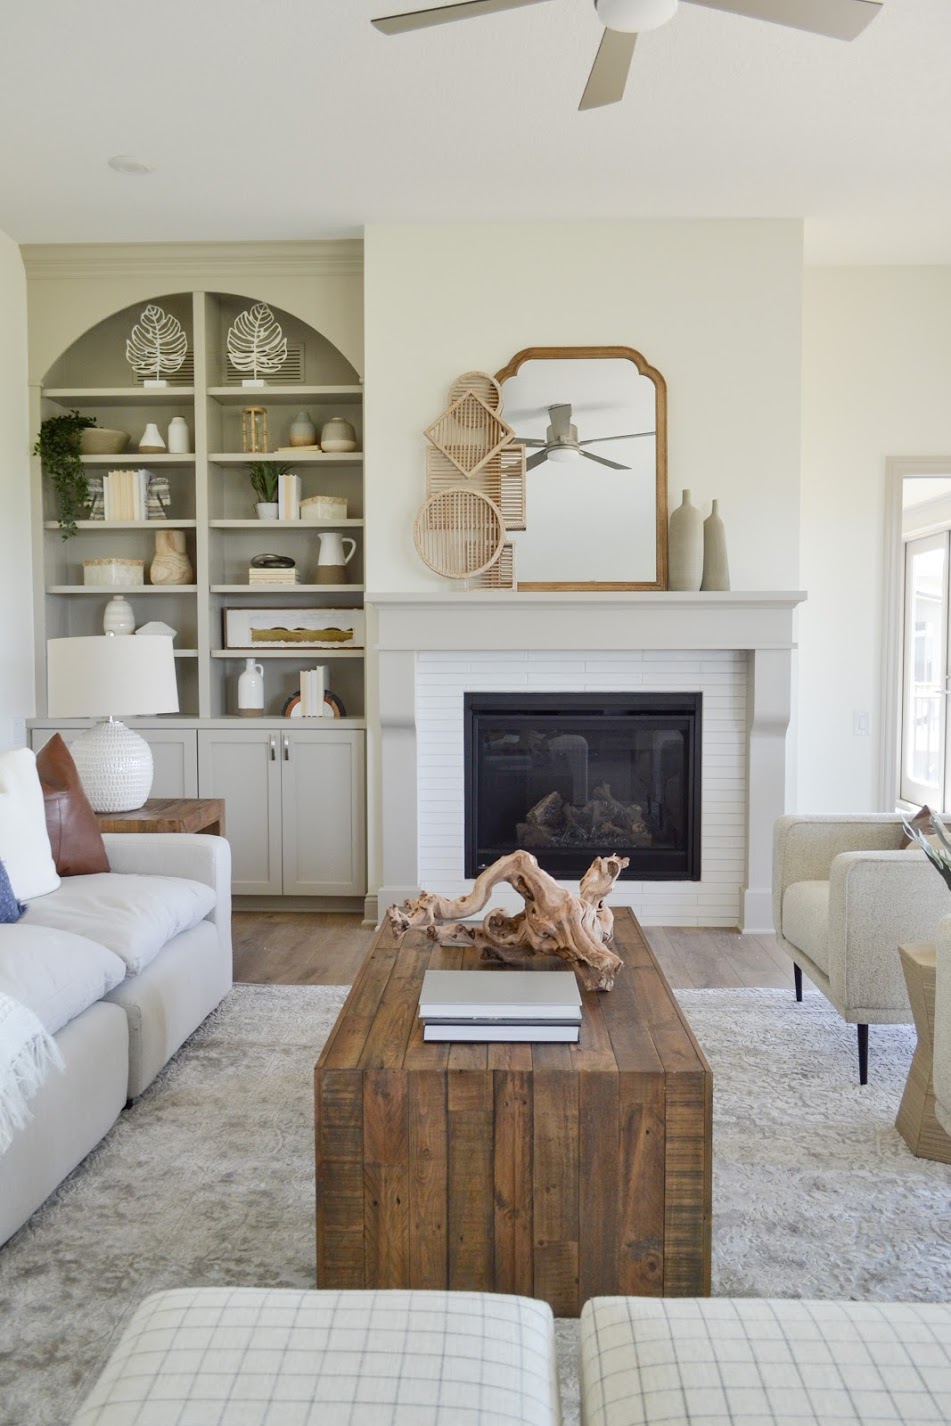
57 974
24 840
133 915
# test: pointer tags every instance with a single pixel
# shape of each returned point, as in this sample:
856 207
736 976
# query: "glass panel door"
924 771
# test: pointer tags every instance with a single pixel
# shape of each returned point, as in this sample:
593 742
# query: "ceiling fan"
561 441
623 20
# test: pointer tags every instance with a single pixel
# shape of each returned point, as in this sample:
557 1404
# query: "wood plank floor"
326 948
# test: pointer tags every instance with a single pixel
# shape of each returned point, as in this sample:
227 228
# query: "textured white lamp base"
114 765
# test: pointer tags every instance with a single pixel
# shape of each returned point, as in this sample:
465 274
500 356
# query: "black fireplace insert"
572 776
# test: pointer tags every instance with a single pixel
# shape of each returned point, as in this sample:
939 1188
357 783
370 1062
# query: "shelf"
284 395
183 653
305 457
134 589
287 589
140 458
125 525
304 651
271 525
119 395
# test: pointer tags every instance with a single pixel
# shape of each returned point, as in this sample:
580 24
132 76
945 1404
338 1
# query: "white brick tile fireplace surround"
735 648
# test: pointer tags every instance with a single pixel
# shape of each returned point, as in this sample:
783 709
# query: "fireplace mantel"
758 624
504 619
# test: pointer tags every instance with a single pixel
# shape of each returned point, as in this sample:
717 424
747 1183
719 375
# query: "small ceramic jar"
338 435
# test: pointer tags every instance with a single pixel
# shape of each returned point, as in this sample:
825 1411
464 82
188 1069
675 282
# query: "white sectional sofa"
120 967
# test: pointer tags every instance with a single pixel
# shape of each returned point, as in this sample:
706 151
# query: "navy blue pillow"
10 908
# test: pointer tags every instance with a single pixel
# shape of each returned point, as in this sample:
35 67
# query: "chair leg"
797 977
863 1053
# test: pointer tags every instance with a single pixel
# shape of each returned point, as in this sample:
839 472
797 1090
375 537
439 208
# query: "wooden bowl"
101 441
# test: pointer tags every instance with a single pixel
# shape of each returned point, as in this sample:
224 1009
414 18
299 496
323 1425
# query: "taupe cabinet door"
243 767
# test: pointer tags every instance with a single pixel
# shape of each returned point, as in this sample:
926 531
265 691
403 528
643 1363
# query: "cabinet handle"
273 749
287 749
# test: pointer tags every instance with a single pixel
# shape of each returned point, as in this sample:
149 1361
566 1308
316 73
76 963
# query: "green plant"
58 447
264 475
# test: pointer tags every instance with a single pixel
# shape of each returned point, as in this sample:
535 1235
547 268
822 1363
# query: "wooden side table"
916 1121
169 814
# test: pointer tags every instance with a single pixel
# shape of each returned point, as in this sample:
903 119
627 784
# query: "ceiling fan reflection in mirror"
623 20
561 441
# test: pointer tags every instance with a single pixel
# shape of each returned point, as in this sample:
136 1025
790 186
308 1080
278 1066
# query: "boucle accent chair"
649 1361
253 1357
941 1068
845 895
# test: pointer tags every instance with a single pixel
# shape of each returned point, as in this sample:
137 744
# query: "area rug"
208 1179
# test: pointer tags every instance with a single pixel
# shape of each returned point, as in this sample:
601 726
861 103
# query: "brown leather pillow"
75 838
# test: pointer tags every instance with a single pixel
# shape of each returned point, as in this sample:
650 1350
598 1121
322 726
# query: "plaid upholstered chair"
845 895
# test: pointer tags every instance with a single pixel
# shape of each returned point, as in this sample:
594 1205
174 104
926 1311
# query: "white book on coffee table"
480 1030
491 996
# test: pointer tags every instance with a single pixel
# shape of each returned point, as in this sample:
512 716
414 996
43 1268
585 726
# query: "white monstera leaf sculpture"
256 344
157 346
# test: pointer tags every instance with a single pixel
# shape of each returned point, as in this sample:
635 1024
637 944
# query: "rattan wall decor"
459 532
475 488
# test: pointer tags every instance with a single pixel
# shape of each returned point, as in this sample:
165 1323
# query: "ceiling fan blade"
610 70
559 418
444 14
589 455
533 461
840 19
529 441
631 436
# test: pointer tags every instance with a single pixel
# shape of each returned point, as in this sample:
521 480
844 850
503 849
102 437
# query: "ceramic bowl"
101 441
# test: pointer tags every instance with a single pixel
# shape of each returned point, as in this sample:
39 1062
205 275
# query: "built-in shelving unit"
210 500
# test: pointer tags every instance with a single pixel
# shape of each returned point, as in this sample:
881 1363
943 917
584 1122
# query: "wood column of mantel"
760 623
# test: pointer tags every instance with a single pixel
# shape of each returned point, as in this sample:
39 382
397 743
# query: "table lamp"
98 676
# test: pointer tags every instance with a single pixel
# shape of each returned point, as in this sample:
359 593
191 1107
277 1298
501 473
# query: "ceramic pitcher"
331 549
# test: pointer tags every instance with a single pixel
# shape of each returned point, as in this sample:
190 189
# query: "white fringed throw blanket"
27 1052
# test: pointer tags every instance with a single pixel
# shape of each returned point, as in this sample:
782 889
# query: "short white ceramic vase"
118 617
179 440
251 690
152 440
266 509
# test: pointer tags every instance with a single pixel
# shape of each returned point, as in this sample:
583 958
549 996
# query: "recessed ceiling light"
128 163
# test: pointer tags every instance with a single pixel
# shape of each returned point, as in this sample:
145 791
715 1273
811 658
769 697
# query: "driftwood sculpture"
554 922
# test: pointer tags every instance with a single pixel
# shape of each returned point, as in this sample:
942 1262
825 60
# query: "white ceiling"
294 119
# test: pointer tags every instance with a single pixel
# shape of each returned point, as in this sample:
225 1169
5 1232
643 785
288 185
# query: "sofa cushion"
75 839
135 916
806 920
24 841
10 909
56 973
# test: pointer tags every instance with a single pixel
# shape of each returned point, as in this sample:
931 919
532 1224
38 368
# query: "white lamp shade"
110 675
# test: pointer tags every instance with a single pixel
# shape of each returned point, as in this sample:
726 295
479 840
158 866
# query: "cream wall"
877 383
16 626
714 305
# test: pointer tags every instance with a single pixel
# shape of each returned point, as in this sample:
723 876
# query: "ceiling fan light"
564 454
635 16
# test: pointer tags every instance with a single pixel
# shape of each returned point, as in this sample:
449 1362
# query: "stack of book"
125 494
273 576
500 1005
288 497
313 682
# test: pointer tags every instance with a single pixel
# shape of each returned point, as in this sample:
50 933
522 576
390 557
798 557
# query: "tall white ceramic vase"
716 567
685 546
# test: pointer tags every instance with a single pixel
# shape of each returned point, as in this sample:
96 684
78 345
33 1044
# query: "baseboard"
757 912
350 904
371 914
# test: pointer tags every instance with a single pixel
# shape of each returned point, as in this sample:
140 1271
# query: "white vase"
716 567
118 617
179 440
266 510
685 546
152 439
251 690
337 435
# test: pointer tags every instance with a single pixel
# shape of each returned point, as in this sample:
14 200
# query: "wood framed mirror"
596 482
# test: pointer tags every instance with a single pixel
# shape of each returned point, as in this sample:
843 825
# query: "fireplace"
572 776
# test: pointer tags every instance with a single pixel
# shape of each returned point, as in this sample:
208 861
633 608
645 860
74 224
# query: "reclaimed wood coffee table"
555 1171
